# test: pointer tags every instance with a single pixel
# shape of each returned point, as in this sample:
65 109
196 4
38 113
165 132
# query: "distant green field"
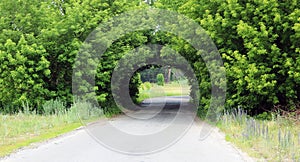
171 89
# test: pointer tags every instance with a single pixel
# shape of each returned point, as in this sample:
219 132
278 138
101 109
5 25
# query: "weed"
277 139
54 107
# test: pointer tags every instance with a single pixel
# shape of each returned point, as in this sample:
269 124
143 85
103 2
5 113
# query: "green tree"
257 40
24 65
41 40
23 70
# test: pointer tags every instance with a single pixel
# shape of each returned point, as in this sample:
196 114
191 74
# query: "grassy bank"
22 129
277 139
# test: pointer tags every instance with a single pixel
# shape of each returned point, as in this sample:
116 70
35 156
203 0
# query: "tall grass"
277 139
26 127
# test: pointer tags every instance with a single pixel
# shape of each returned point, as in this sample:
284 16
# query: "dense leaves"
258 41
39 41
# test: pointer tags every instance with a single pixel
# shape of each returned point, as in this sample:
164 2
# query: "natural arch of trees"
141 48
258 41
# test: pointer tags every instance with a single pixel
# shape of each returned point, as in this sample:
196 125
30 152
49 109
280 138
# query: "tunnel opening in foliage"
172 83
259 47
157 47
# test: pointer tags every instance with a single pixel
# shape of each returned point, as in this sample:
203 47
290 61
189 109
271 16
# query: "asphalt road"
85 143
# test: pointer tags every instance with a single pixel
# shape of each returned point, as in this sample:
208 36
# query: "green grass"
277 139
23 129
13 141
169 89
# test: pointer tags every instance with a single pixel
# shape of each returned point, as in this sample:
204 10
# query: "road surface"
80 145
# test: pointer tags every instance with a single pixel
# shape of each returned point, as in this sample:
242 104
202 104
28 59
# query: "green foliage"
160 79
112 110
149 75
54 107
258 43
273 140
169 89
146 86
38 45
108 63
134 85
22 129
23 69
264 116
84 110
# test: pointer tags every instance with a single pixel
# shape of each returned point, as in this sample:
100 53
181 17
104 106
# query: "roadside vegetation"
268 137
22 129
257 40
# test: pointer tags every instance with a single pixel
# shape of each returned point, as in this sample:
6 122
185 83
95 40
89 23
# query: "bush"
160 79
146 86
264 116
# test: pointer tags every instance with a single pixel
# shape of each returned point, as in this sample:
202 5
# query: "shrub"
160 79
147 86
264 116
